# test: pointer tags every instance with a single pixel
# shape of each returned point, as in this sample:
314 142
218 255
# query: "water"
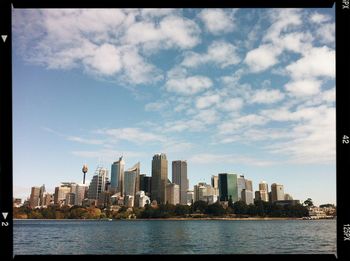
174 237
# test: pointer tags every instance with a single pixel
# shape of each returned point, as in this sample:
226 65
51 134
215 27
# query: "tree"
200 206
215 209
308 202
240 207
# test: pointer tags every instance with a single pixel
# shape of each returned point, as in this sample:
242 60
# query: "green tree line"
197 209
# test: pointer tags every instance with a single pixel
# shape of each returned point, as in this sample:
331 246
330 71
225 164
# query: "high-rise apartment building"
277 192
159 178
228 187
179 176
117 176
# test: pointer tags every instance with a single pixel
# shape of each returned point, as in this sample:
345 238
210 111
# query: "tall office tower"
240 186
142 176
145 184
249 184
215 181
61 192
41 195
264 191
98 183
190 197
70 199
131 177
159 178
257 195
117 176
263 186
204 192
247 196
215 184
34 200
80 194
173 193
228 187
48 199
277 192
179 174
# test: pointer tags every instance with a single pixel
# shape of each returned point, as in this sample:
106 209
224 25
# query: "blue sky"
247 91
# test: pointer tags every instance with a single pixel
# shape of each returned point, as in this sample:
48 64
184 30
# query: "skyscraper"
277 192
159 177
98 183
228 187
117 176
173 193
34 200
145 184
80 194
131 186
179 176
215 181
240 186
61 192
264 191
263 186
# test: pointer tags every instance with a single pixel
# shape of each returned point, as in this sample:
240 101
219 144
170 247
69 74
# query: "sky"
245 91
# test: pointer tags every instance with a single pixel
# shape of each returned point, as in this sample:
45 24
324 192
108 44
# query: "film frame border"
342 95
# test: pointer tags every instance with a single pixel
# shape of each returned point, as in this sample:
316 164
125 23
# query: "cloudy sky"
247 91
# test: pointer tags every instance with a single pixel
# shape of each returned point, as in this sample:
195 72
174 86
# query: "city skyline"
222 186
253 94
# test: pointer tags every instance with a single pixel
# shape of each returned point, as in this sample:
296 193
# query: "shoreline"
181 219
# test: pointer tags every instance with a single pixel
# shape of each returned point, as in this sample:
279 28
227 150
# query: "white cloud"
207 101
179 31
136 69
155 106
302 88
209 158
298 42
326 33
134 135
232 104
208 116
267 96
217 21
319 18
282 21
189 85
262 58
319 61
314 140
109 43
85 140
171 31
157 12
108 155
237 123
220 53
176 146
105 59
